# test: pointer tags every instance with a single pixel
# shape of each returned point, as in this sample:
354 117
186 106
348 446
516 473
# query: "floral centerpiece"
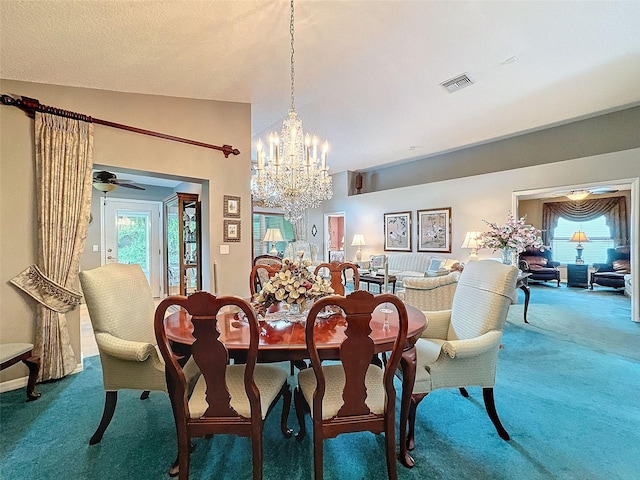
515 235
294 284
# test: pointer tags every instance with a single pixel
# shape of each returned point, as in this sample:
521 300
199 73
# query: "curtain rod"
31 105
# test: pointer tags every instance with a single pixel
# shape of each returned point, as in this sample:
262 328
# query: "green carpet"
567 391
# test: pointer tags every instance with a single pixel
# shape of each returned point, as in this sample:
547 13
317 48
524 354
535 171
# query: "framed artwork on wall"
434 230
231 231
231 206
397 231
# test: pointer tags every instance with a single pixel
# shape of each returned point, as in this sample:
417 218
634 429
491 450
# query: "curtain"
614 210
63 171
300 227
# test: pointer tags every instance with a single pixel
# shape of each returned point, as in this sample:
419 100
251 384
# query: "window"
262 221
595 251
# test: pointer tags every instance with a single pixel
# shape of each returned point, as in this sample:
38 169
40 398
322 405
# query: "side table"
577 275
522 282
379 280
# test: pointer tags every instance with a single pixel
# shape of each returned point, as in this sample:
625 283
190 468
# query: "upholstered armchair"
612 273
121 308
308 249
540 264
431 293
459 348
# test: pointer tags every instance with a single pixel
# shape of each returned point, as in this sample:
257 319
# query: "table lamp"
273 235
471 241
358 241
579 237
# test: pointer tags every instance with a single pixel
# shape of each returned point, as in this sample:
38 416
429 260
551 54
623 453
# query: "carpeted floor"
567 391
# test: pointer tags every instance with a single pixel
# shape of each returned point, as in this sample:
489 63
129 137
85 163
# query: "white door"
132 233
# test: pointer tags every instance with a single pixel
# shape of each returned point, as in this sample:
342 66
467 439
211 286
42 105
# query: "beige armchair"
309 250
121 307
431 293
460 346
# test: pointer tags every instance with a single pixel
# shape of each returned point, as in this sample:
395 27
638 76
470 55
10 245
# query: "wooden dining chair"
260 274
338 272
228 399
353 395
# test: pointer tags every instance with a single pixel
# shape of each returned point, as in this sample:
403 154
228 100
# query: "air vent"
457 83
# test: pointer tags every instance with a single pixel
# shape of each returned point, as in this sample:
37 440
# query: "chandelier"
292 175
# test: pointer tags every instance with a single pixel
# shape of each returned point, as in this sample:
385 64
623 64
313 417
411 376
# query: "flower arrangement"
293 284
515 235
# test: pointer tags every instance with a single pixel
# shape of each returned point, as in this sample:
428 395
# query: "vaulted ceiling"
367 73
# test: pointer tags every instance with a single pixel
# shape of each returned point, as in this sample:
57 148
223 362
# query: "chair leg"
390 440
489 403
301 408
144 395
318 452
286 407
256 449
464 392
411 432
33 363
110 401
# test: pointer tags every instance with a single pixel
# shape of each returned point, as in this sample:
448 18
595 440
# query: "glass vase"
507 256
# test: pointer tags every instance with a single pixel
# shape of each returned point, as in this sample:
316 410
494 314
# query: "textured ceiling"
367 72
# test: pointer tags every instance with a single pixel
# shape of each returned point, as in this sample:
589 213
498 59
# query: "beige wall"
211 122
474 199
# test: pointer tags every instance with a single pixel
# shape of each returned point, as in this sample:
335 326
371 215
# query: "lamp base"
359 255
273 250
473 256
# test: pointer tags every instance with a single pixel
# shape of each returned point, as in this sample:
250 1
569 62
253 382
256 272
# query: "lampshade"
273 235
358 240
579 237
471 241
576 195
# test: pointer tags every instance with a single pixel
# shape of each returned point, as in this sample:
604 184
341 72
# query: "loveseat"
404 265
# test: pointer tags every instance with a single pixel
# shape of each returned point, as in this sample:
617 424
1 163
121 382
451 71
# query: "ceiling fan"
582 193
107 181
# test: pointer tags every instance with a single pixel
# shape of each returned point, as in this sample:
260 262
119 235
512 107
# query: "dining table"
282 338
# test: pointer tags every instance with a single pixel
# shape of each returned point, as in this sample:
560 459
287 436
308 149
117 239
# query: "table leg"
527 294
408 368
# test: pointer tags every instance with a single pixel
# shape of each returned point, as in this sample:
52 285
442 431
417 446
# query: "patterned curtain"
63 170
614 209
300 227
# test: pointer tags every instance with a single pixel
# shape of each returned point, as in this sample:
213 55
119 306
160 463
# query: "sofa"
611 274
403 265
627 285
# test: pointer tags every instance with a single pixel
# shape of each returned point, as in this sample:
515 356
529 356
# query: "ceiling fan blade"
130 185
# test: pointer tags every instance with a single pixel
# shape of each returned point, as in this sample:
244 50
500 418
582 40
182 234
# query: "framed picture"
434 230
397 231
231 206
231 231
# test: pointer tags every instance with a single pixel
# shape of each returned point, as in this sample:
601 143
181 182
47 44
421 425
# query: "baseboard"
21 382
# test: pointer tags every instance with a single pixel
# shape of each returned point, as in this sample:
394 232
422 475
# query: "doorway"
132 234
334 246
